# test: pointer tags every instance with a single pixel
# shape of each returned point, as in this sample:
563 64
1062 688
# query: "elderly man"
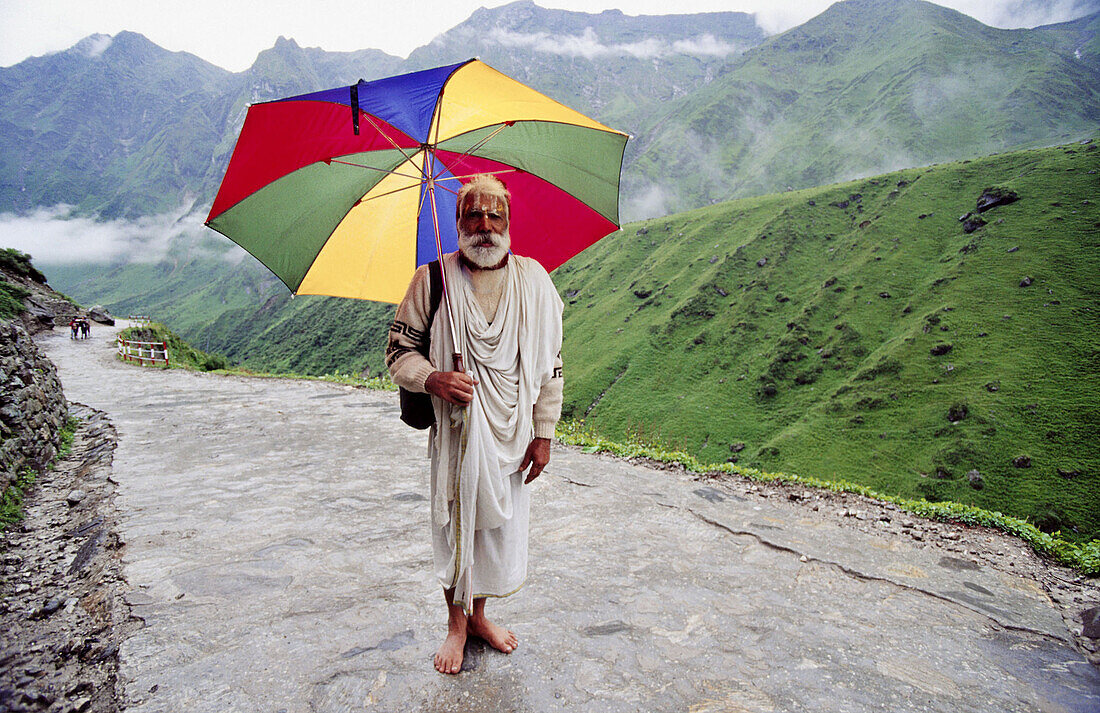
493 421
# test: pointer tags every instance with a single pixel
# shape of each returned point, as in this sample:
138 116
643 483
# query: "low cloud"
588 45
59 236
94 45
647 200
1025 13
774 18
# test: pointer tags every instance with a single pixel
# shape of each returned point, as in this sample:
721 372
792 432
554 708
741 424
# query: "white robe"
478 500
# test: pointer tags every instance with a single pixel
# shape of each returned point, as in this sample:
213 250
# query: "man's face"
483 229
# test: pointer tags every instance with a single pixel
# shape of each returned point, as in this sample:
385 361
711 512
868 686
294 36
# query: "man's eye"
493 216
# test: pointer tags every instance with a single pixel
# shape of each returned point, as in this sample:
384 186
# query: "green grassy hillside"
856 331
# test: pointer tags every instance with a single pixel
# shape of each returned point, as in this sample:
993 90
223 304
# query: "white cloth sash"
473 450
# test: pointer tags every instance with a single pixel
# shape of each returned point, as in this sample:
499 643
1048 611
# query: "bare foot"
497 636
448 659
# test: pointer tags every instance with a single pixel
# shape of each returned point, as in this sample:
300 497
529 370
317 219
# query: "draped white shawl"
474 450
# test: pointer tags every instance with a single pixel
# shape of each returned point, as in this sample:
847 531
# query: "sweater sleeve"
547 408
408 335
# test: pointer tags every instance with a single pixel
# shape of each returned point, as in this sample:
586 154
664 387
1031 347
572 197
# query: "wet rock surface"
279 558
61 610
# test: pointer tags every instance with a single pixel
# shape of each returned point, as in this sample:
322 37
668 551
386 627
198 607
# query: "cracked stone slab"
280 561
1010 601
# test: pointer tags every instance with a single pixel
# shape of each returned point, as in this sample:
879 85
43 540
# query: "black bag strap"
435 296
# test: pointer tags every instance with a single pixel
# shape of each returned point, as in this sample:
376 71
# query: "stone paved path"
277 548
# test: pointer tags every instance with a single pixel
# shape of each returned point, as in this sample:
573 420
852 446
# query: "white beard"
484 256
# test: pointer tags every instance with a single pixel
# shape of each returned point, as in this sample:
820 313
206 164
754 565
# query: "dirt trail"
276 547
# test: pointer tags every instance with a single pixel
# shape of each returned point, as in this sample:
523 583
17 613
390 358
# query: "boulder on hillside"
941 349
1026 282
100 314
1090 620
974 477
993 197
1022 461
971 223
39 313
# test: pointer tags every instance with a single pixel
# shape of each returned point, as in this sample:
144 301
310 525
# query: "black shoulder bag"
416 408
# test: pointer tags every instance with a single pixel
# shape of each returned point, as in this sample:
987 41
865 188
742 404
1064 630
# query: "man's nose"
484 224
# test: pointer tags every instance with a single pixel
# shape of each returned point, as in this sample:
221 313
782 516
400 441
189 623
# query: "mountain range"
121 127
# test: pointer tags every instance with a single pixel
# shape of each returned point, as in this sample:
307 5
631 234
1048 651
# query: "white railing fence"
142 352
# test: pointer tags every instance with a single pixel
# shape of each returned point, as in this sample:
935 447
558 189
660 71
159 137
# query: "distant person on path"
74 326
491 422
85 328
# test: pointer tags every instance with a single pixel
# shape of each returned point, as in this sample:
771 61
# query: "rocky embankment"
60 583
32 406
60 612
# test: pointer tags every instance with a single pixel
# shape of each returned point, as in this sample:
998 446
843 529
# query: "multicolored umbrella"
345 192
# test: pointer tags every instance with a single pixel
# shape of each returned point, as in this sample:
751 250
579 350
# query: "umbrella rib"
375 168
387 193
468 152
479 173
370 119
439 184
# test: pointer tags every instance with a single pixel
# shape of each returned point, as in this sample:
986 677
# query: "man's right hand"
451 386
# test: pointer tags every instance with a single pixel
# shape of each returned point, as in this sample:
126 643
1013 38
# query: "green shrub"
11 300
215 362
20 263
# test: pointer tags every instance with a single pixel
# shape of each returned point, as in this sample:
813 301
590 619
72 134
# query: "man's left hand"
537 456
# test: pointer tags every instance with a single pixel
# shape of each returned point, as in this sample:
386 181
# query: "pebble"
49 607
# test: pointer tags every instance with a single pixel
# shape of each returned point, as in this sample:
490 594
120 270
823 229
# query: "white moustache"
484 249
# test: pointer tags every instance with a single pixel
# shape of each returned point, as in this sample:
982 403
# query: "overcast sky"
230 33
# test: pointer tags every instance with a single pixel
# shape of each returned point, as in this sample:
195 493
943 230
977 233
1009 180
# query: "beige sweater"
410 329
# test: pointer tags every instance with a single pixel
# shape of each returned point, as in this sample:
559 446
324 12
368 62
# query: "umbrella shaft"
457 356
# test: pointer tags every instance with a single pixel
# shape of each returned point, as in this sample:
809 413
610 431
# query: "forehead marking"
485 203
